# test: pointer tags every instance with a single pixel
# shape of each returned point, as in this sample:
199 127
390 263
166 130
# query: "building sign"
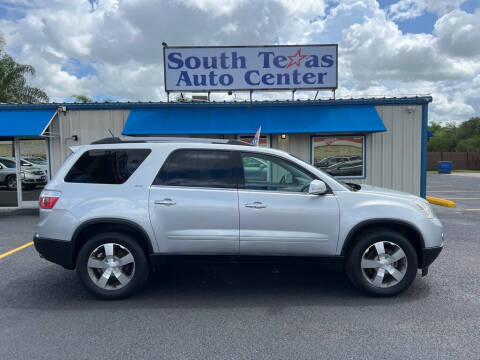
288 67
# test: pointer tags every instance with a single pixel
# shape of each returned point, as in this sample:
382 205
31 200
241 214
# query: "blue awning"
182 119
24 122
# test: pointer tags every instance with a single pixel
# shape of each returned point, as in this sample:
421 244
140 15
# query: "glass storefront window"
8 174
341 156
33 168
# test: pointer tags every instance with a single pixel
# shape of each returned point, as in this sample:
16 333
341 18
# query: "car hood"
388 192
31 169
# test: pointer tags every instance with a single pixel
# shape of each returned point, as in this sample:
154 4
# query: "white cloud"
458 33
408 9
121 41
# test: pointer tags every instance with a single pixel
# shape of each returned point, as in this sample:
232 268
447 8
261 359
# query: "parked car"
35 162
31 175
117 209
346 168
332 160
8 175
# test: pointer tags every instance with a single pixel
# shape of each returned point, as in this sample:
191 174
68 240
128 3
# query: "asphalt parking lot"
248 312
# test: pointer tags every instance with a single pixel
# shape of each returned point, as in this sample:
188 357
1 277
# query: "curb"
440 201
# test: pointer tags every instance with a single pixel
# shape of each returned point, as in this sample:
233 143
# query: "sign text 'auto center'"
250 68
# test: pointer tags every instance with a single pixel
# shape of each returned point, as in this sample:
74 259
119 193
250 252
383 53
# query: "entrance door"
193 203
33 168
8 174
278 216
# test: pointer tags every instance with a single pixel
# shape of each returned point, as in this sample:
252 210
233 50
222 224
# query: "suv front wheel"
112 265
382 263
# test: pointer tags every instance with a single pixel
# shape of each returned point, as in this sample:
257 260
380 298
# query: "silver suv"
118 208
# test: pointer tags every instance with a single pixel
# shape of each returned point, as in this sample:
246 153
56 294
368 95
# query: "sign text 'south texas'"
251 68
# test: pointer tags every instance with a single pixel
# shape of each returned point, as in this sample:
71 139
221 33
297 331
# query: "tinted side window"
198 168
263 172
106 166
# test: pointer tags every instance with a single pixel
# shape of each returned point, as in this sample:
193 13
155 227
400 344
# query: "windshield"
37 160
8 163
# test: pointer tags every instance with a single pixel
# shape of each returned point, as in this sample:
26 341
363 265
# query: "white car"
31 175
117 208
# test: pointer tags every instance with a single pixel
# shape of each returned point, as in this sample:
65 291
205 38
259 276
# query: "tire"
11 182
127 269
377 274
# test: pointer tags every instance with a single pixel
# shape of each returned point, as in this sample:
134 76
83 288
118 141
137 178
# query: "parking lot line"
15 250
455 191
471 209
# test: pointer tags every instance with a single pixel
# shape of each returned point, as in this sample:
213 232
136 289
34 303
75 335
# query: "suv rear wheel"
112 265
382 263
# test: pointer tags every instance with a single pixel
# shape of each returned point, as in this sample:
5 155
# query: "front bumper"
429 255
57 251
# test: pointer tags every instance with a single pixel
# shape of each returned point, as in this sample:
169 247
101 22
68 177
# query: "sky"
112 49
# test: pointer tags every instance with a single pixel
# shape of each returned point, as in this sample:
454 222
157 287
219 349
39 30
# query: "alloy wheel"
12 183
384 264
111 266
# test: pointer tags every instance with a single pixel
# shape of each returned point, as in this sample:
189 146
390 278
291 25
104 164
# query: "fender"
387 221
119 221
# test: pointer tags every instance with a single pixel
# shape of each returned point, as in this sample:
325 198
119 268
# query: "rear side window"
106 166
198 168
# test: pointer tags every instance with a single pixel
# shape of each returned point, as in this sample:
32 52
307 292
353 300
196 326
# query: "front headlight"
425 208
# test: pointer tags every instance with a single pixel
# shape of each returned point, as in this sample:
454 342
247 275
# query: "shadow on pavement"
206 286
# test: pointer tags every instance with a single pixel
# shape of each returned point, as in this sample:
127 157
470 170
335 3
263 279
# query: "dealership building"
377 141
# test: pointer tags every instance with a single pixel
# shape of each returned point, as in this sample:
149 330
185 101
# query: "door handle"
256 205
166 202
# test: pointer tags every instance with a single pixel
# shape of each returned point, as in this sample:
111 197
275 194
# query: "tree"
442 141
464 137
469 128
13 83
84 99
470 144
181 98
434 127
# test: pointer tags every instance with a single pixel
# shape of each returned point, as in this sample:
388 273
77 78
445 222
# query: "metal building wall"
393 158
395 155
88 125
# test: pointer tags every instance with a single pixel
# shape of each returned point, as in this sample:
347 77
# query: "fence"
460 160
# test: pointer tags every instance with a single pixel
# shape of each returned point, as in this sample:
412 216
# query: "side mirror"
317 187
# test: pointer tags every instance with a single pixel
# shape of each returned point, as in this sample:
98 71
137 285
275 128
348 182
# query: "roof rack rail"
160 139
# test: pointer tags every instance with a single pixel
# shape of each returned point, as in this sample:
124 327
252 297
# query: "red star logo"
296 59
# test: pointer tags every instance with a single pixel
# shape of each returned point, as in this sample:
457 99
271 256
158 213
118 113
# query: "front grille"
38 173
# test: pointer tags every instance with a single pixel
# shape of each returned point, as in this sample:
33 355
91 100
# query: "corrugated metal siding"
393 158
297 144
88 125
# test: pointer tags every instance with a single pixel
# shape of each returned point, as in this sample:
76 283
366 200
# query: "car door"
278 216
193 203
